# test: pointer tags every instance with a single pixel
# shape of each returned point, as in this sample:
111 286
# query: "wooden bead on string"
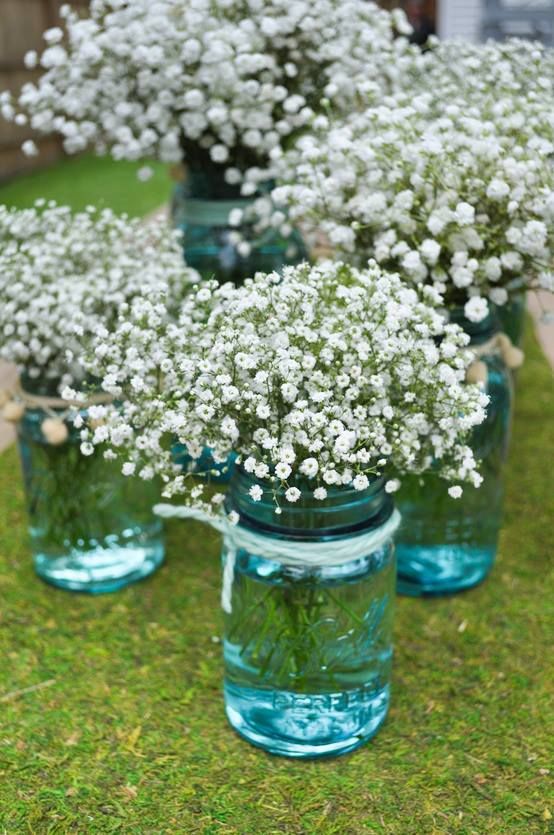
477 373
513 357
55 431
13 411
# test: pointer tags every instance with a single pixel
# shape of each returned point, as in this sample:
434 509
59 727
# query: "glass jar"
445 545
308 643
92 529
200 208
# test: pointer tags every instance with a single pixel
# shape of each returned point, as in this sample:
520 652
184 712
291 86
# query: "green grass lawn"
88 180
128 733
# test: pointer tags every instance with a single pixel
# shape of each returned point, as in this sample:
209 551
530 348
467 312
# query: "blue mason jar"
92 529
308 639
446 545
200 208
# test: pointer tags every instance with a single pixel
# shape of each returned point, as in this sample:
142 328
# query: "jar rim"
345 510
321 533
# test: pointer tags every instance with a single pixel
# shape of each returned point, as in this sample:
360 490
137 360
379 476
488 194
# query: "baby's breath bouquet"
64 275
330 375
452 202
64 278
208 79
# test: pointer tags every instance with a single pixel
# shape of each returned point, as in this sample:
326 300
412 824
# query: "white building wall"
460 19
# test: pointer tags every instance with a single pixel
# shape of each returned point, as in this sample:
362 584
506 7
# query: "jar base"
303 725
100 571
441 570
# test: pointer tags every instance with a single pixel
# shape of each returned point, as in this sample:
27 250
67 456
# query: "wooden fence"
22 23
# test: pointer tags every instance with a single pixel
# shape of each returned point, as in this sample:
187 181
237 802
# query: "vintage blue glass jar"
446 545
308 646
200 208
91 528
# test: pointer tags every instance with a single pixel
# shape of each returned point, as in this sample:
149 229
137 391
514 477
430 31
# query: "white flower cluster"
510 83
327 374
64 276
450 200
236 77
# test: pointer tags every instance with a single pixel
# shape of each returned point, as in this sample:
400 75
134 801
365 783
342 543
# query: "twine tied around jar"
512 356
284 551
15 402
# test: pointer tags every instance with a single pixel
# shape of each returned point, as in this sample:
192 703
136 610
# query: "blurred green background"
88 180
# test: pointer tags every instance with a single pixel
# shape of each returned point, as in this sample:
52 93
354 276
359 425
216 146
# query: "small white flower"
476 309
498 189
235 217
282 470
498 295
256 493
145 173
392 486
430 251
465 213
455 491
493 269
219 153
204 294
309 467
261 470
29 148
289 392
244 249
250 464
345 441
320 493
31 59
292 494
287 455
361 482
